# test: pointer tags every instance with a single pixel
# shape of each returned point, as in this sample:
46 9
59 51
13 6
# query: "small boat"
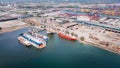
66 36
28 40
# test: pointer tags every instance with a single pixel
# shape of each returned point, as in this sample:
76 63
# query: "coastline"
100 46
4 30
95 44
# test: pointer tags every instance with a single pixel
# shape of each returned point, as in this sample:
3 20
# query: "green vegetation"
82 38
72 34
0 28
67 32
43 26
32 24
76 35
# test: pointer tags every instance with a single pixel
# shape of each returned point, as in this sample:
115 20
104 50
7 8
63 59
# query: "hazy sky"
84 1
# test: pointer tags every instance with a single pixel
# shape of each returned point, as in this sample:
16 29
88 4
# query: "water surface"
59 53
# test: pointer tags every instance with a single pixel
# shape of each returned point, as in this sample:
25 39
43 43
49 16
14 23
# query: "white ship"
28 40
38 35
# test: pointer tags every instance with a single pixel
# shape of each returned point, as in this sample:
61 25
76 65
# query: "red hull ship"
62 35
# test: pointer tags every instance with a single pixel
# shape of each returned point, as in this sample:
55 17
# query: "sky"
83 1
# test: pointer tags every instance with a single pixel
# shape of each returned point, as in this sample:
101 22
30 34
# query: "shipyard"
36 24
90 27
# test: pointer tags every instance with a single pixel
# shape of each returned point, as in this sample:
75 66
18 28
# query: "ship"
24 41
28 40
35 34
66 36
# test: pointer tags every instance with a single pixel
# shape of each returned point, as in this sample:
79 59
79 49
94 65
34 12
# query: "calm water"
59 53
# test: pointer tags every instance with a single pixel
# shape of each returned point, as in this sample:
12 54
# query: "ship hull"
66 37
28 39
23 41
